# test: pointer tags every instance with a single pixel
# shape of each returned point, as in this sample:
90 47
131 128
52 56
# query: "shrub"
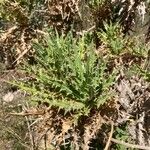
69 75
112 38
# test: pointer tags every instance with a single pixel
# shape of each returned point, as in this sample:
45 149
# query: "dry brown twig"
130 145
86 31
30 131
110 136
25 114
41 32
28 113
24 48
8 33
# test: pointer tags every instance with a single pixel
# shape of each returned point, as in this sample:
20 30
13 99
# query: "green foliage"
69 75
138 70
121 134
112 37
137 46
96 3
141 50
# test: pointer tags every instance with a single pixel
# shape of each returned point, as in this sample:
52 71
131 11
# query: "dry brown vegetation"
120 42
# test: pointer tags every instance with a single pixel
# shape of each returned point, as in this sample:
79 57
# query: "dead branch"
28 120
27 113
130 145
110 136
8 33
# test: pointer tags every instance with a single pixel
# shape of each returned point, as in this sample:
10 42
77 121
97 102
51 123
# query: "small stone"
8 97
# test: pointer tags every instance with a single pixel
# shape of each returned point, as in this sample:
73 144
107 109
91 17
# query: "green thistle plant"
69 75
112 37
